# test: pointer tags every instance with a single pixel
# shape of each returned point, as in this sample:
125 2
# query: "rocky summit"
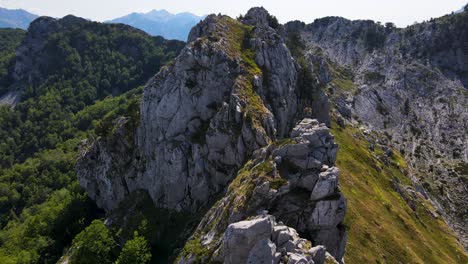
236 133
223 116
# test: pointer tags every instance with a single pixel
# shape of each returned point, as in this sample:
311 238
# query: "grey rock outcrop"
319 219
193 134
263 240
224 110
326 184
263 252
256 16
279 76
249 240
196 128
410 84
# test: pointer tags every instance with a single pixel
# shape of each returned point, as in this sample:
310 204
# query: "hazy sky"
401 12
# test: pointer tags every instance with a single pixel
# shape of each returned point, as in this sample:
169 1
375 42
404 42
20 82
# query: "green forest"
85 76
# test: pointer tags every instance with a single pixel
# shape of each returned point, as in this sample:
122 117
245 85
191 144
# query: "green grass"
342 78
382 227
195 247
345 84
237 38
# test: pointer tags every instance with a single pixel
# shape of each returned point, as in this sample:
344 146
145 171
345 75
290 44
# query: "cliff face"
410 84
293 180
235 133
231 96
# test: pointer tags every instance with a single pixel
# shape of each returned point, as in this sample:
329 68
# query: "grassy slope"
383 228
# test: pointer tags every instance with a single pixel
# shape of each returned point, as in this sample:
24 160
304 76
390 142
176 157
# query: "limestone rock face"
244 237
280 76
193 133
255 192
326 184
196 128
257 16
263 252
263 240
223 117
186 134
409 84
102 158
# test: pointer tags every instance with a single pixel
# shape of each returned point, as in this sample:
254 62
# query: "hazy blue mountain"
464 8
17 18
162 23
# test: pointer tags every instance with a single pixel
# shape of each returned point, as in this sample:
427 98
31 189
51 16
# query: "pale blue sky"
401 12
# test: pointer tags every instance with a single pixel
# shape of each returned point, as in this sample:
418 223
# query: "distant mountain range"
17 18
156 22
162 23
465 7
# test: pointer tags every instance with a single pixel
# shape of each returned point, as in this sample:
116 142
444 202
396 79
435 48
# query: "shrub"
94 245
135 251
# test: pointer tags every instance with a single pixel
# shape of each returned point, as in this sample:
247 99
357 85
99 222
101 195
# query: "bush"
135 251
94 245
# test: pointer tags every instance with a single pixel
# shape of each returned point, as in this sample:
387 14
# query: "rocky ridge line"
227 98
409 84
295 181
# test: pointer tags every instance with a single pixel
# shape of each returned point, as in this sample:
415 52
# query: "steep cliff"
232 143
231 95
295 181
409 83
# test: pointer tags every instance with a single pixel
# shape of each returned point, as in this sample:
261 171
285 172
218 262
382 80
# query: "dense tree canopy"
44 188
9 40
90 74
81 63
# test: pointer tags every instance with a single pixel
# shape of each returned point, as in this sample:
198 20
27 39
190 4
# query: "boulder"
298 259
308 181
263 240
264 252
241 237
326 185
328 213
318 254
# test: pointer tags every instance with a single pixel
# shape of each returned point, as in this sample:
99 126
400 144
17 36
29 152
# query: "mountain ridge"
258 141
15 18
377 56
161 22
280 77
